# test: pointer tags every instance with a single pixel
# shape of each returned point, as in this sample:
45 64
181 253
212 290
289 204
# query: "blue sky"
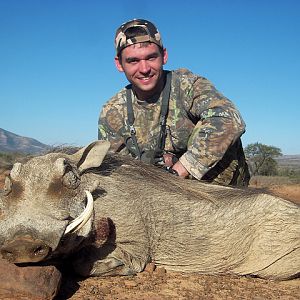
57 68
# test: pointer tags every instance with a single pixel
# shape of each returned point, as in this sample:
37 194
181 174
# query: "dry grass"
267 181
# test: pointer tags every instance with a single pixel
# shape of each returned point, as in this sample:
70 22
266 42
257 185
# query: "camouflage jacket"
203 128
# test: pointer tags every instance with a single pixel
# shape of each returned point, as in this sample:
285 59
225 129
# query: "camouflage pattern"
203 129
151 34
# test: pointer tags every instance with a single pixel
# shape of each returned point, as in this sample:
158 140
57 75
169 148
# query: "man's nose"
144 66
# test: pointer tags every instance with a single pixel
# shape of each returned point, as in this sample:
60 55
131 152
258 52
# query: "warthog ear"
91 156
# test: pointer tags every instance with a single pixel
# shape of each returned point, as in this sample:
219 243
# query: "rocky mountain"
10 142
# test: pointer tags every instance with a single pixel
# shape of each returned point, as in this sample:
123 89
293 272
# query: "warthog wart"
114 216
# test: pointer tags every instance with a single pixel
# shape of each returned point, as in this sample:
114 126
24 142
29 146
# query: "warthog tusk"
85 216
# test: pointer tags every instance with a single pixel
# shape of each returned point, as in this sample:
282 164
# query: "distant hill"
289 161
10 142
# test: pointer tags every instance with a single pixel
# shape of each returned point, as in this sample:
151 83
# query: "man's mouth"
145 79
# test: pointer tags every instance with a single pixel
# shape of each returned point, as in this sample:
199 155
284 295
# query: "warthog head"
46 206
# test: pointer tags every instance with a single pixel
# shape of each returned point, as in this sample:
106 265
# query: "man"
171 118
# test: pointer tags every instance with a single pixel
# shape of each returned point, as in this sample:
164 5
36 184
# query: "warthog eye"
70 180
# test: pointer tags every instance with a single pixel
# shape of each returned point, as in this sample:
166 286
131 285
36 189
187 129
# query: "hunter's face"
143 67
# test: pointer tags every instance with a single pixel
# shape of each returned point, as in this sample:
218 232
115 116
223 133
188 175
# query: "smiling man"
174 119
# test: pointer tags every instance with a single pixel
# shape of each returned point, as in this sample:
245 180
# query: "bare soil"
156 283
161 285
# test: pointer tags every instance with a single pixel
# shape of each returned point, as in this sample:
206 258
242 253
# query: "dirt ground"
157 284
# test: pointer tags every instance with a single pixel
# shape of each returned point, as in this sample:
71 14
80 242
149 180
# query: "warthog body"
142 214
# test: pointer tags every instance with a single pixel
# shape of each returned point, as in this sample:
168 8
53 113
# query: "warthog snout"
25 250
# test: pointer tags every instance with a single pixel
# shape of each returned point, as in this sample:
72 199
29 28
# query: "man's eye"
132 61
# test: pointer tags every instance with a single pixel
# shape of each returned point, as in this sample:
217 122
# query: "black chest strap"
162 121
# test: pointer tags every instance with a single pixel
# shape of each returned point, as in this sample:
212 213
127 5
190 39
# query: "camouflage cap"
151 34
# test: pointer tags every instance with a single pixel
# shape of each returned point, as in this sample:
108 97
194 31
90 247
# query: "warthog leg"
111 266
108 266
104 261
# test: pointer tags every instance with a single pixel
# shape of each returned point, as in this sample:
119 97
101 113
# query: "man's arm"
219 126
108 130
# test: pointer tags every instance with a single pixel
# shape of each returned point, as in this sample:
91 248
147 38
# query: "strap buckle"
132 129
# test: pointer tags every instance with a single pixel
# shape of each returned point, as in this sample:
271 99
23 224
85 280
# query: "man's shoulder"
116 101
185 73
188 79
186 76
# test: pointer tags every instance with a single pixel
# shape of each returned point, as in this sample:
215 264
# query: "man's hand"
169 159
180 169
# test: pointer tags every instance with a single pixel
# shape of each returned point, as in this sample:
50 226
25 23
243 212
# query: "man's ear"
118 64
165 56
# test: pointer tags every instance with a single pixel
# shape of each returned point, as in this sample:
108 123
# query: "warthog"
116 218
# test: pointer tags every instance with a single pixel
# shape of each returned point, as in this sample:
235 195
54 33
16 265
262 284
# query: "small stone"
32 282
150 268
94 290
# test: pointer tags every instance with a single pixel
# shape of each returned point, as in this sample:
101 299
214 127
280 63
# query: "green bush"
261 159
